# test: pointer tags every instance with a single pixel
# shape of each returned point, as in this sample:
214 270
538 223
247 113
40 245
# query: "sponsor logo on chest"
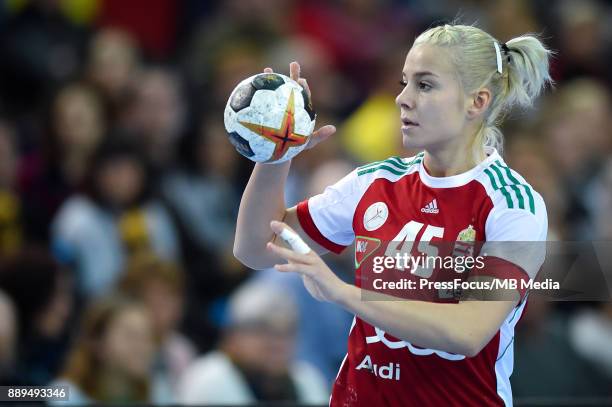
390 371
431 207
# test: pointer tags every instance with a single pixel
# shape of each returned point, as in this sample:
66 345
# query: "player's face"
432 103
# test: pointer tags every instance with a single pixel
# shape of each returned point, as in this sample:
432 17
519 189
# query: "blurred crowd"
119 189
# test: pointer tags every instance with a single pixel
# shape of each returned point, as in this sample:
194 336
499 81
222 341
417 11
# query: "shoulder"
78 204
209 368
213 379
351 187
76 213
311 385
507 189
515 203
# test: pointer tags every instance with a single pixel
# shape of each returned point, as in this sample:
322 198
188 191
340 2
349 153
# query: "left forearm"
451 328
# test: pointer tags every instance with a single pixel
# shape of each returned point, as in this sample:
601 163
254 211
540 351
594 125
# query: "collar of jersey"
459 179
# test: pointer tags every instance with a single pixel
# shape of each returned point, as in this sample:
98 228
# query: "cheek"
441 110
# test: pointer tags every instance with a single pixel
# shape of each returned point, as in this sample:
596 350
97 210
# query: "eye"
424 86
403 83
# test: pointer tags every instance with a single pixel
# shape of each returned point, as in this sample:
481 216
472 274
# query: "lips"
408 122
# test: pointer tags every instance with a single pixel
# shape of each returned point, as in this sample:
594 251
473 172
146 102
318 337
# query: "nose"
405 100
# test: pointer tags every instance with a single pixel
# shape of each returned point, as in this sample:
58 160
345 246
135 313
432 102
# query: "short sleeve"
327 218
517 237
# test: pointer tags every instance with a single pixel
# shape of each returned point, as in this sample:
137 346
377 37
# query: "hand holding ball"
269 118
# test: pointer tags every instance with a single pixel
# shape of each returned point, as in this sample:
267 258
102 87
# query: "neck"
453 158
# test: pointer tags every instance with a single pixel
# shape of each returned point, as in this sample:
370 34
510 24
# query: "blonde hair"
524 72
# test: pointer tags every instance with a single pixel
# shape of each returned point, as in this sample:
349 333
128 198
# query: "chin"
412 142
421 141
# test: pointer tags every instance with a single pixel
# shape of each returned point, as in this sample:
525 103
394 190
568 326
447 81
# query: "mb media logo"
431 207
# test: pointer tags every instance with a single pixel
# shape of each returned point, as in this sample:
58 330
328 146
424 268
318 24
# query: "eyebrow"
423 73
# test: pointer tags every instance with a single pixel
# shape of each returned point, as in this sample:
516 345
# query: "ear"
479 103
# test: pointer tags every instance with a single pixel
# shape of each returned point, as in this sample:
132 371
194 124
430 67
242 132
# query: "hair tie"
498 56
506 50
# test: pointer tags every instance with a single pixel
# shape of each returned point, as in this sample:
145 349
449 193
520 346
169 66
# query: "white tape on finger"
295 241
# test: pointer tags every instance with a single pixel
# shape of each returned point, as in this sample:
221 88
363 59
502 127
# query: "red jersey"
397 200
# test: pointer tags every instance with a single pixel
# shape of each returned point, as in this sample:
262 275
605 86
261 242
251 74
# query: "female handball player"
456 84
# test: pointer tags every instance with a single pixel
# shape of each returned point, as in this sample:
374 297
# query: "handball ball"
269 118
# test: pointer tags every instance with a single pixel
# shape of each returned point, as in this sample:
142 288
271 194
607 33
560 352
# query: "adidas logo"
431 207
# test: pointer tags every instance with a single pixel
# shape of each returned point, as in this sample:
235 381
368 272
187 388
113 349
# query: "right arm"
263 201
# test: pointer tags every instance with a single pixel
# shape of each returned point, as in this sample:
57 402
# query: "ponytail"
528 70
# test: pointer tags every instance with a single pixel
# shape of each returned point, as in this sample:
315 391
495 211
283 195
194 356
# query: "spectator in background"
8 341
112 357
39 47
155 32
42 294
220 54
112 66
155 115
116 218
584 47
253 361
335 93
355 33
590 331
159 285
576 121
11 228
75 127
544 355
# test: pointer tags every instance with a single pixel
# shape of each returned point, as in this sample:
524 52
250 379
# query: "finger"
293 268
304 84
294 71
268 70
323 133
288 268
288 254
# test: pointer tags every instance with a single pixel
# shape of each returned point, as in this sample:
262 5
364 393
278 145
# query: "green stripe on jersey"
395 165
394 161
513 185
501 187
530 196
517 182
502 181
382 167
